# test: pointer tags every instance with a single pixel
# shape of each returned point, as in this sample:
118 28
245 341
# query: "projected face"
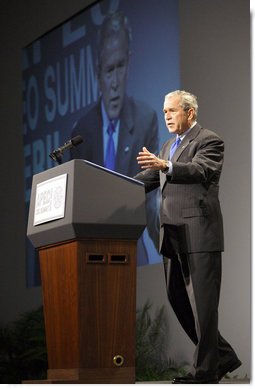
113 73
177 120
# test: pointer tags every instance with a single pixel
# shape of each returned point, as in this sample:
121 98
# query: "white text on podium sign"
50 200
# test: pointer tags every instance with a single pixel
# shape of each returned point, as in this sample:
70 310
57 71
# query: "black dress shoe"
228 368
189 379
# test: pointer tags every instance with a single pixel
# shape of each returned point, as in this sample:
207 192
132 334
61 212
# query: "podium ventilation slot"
95 258
118 258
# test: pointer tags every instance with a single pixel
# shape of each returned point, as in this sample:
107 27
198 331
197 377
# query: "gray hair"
187 100
113 25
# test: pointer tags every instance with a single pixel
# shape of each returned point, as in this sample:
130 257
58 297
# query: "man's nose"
115 78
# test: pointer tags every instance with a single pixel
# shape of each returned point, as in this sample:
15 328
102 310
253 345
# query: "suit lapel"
97 137
126 138
185 142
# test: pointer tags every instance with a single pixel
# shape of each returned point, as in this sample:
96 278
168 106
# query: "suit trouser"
193 287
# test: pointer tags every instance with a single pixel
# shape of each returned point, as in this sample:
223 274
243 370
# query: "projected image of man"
116 126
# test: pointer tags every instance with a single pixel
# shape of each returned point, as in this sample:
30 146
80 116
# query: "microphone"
57 154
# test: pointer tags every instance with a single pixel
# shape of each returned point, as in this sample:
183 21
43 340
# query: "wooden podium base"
123 375
89 294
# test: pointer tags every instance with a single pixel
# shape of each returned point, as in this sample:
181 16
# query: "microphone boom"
57 154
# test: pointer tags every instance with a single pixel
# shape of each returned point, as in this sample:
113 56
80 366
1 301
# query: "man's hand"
148 160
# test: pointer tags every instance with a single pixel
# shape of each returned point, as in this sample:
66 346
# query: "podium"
85 221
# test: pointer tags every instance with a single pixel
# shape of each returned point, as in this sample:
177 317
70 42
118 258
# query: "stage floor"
225 381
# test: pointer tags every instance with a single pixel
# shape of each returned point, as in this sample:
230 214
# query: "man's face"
113 74
177 120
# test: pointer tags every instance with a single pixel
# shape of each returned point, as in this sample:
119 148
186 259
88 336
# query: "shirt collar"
105 118
182 136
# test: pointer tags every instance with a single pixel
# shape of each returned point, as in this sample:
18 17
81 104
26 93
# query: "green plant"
22 349
151 361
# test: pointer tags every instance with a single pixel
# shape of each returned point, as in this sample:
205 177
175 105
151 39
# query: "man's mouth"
115 100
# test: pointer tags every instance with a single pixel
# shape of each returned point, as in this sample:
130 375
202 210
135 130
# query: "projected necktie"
174 146
110 149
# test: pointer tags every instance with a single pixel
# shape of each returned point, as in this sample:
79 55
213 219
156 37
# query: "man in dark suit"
188 170
117 126
138 126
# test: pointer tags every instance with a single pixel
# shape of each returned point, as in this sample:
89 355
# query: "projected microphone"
57 154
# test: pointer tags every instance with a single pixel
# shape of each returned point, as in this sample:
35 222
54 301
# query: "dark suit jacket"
190 214
138 128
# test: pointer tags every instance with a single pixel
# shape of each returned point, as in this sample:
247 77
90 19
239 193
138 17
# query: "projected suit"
192 232
138 127
135 123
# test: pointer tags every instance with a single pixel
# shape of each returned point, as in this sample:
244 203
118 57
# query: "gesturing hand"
148 160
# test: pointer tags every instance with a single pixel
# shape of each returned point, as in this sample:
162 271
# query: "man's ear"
191 113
